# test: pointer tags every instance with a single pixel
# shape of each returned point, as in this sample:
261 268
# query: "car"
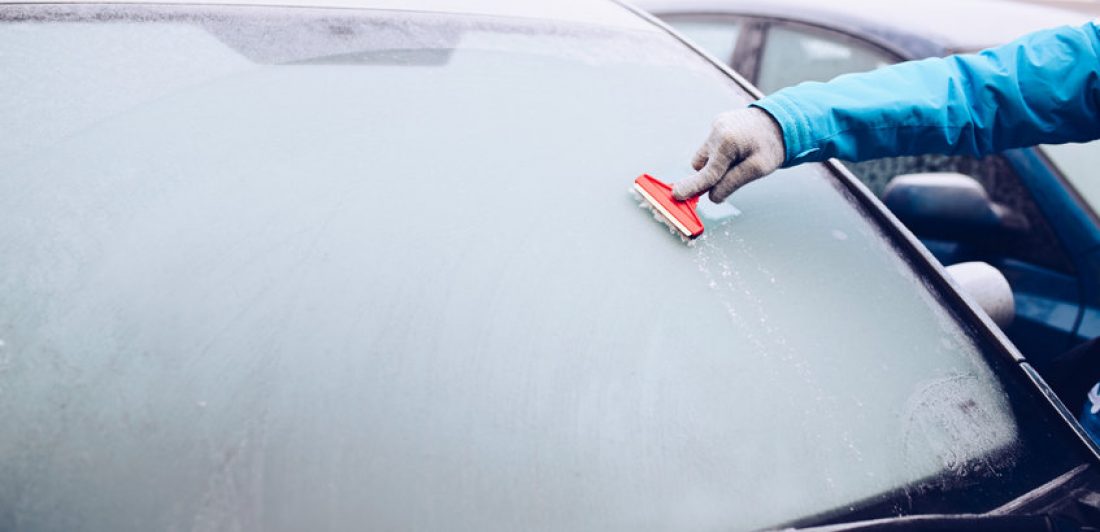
375 265
1047 246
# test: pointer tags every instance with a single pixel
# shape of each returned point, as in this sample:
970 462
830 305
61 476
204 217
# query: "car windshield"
289 269
1079 163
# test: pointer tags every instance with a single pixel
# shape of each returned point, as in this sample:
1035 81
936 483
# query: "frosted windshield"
338 280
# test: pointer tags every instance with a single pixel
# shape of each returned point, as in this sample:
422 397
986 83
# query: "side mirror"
949 206
988 288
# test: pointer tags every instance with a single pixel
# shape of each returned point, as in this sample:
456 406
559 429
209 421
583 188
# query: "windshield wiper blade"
958 523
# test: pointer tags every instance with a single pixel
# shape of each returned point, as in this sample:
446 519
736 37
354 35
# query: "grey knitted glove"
744 145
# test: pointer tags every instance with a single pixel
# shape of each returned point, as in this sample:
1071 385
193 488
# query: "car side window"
793 54
717 37
1038 245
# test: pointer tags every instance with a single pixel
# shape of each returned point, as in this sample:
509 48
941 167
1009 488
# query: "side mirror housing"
950 206
988 288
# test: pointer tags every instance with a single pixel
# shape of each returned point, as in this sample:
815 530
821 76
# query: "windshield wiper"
1067 503
960 523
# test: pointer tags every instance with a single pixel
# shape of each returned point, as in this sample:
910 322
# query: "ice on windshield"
337 295
63 78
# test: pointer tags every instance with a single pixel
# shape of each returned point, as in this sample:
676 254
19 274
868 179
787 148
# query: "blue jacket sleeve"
1041 88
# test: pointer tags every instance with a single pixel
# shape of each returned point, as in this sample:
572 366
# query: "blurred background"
1086 5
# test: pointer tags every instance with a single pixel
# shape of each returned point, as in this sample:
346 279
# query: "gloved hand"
744 145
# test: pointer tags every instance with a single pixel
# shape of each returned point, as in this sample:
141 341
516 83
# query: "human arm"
1041 88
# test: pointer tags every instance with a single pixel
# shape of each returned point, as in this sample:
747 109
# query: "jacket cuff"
798 140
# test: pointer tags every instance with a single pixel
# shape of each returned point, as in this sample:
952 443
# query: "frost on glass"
61 79
416 295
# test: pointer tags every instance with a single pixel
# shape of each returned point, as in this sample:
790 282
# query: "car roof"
955 25
596 12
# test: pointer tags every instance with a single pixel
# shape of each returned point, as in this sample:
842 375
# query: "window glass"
1038 245
294 269
792 55
716 37
1080 164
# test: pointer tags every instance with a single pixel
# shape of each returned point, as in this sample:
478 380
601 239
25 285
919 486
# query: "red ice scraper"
679 215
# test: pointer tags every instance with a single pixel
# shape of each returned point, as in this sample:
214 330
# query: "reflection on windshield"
352 294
